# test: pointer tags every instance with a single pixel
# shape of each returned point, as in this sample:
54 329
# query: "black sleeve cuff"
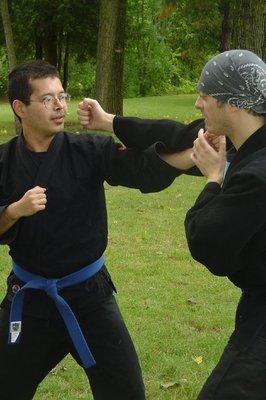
212 187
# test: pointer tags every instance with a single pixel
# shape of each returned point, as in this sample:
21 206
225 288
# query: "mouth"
59 119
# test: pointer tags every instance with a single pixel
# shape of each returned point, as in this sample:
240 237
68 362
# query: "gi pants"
241 371
45 342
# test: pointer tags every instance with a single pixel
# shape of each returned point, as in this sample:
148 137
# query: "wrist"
216 179
108 123
13 212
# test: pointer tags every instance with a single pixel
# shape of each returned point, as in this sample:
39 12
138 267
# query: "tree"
8 34
110 55
12 60
226 33
249 25
55 31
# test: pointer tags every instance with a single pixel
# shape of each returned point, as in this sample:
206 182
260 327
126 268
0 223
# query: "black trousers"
116 376
241 371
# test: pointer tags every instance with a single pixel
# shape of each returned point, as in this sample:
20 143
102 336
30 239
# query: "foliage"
168 43
81 78
3 71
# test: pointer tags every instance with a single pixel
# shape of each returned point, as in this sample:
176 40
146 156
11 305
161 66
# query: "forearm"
180 160
142 133
8 218
107 122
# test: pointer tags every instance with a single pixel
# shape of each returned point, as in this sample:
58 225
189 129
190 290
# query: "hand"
212 139
92 116
33 201
210 158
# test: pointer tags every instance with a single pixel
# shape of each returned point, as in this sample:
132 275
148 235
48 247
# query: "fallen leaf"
198 359
169 385
192 301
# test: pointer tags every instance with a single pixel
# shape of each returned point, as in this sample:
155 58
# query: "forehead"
207 98
49 85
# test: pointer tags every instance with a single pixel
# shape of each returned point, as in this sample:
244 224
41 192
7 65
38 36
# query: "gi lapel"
47 166
39 176
254 143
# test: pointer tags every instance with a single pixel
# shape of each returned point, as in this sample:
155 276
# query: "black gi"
226 232
68 235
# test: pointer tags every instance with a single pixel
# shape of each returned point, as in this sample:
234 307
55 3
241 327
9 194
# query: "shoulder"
87 143
250 177
256 167
86 138
7 148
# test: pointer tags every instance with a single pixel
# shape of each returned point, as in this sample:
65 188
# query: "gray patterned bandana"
236 77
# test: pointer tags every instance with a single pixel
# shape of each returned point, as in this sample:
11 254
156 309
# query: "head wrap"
236 77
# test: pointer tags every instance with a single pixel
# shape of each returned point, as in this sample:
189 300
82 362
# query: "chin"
59 128
211 130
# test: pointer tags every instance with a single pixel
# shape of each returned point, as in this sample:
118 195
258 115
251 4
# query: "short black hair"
19 86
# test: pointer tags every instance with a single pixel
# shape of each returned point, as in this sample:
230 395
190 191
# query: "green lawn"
175 309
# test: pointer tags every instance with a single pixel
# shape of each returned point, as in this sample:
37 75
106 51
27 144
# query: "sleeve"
221 224
142 133
11 233
143 170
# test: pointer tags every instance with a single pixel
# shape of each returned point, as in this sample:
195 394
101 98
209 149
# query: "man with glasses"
53 217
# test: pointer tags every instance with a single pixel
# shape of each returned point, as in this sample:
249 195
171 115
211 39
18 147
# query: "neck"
243 126
37 143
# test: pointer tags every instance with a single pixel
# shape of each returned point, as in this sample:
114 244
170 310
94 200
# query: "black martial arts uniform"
226 231
68 235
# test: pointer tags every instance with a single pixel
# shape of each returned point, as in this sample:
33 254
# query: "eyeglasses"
49 100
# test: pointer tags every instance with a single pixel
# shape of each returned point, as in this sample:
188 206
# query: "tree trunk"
60 44
249 24
38 43
226 25
50 46
8 34
12 60
110 55
66 57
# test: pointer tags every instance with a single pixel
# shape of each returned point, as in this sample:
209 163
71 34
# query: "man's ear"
19 108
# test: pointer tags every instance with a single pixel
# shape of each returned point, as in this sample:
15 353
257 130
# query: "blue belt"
51 287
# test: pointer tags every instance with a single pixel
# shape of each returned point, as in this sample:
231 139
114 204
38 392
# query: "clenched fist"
92 116
33 201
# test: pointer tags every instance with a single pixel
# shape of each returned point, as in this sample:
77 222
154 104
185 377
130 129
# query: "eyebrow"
51 94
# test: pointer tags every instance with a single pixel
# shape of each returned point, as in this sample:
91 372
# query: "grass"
175 309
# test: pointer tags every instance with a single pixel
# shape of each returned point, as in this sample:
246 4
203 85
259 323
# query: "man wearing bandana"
226 227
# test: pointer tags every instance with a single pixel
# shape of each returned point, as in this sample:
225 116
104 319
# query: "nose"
199 103
58 103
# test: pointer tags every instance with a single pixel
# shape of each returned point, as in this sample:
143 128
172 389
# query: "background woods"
127 48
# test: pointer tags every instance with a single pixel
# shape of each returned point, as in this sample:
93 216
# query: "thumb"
87 103
222 144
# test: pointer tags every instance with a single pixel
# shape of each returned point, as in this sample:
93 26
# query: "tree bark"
110 55
8 34
226 25
12 60
50 46
66 58
249 24
38 43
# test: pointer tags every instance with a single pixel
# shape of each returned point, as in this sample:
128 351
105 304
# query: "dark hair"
19 86
254 113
